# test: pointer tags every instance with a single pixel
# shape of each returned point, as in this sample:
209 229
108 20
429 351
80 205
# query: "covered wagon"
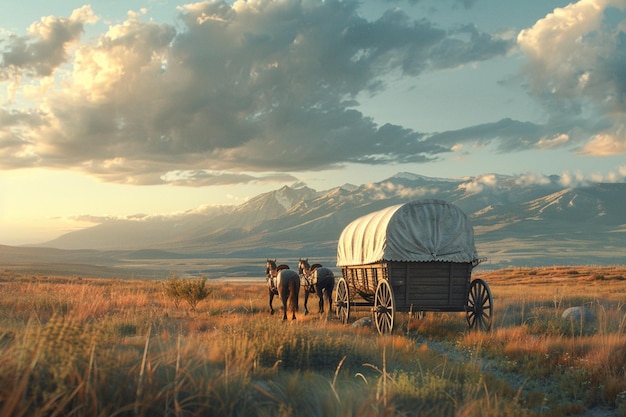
413 258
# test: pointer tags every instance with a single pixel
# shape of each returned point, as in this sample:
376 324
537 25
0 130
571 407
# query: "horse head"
303 265
270 265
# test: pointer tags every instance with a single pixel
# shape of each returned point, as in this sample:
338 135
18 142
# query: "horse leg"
271 299
295 292
283 297
306 300
320 295
329 297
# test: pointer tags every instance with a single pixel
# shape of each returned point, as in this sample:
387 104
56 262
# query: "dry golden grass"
83 347
559 359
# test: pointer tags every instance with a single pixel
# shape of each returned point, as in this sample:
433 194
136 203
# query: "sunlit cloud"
45 47
248 87
258 91
605 145
86 218
479 183
573 179
553 142
574 69
200 178
529 179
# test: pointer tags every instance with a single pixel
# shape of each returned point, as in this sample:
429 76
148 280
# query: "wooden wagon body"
414 257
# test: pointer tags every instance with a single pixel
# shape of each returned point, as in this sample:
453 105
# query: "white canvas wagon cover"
418 231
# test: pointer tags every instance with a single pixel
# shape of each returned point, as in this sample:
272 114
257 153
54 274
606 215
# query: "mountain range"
518 221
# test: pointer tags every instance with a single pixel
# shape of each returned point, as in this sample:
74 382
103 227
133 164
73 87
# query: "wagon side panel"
363 279
429 286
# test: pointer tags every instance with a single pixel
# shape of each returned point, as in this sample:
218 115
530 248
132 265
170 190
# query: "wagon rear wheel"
384 308
342 301
479 306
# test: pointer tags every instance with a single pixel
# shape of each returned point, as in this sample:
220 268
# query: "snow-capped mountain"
517 221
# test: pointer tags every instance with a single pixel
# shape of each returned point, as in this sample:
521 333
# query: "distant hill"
516 223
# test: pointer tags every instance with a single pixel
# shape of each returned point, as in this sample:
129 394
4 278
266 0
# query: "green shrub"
173 289
192 291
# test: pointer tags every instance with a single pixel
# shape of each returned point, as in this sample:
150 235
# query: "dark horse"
284 282
317 279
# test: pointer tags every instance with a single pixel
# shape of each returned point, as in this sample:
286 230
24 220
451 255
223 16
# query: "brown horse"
319 280
284 282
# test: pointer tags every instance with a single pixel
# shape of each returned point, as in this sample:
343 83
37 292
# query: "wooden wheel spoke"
384 308
479 306
484 297
342 301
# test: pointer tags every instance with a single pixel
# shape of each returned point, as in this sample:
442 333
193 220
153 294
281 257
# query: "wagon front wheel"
384 308
479 306
342 301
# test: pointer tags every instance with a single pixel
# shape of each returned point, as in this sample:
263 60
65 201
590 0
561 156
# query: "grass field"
112 347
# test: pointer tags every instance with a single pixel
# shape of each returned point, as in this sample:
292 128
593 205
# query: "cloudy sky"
124 108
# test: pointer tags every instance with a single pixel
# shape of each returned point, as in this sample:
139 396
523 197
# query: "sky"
130 109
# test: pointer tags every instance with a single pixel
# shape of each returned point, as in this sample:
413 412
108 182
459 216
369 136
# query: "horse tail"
294 294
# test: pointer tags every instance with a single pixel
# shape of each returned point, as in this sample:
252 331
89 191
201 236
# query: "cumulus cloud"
479 183
386 188
529 179
493 182
578 179
256 90
44 49
604 144
570 179
256 86
573 179
577 69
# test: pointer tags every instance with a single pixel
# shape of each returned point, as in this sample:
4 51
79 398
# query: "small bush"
173 289
192 291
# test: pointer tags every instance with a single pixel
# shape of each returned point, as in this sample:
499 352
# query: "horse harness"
271 282
272 275
311 282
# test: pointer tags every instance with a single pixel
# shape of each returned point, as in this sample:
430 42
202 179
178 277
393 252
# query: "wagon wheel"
479 306
342 301
384 308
